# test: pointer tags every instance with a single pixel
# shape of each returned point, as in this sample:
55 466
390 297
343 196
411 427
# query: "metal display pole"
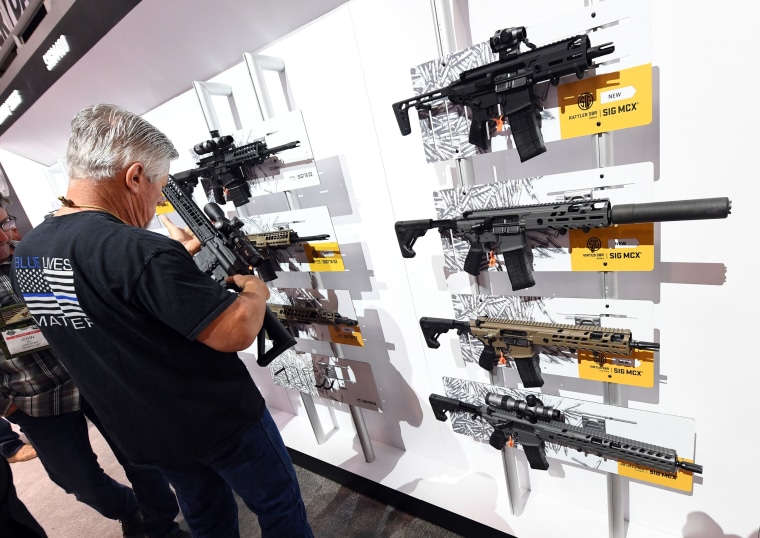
445 32
617 486
257 64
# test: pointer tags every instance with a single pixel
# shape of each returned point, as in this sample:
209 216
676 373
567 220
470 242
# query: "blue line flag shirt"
121 307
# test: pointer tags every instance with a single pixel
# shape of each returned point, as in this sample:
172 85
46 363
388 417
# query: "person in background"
150 339
12 448
38 395
15 519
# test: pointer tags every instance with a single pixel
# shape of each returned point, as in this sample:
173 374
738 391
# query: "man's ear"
135 174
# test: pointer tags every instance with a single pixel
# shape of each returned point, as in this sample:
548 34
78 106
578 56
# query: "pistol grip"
479 129
402 117
474 260
488 359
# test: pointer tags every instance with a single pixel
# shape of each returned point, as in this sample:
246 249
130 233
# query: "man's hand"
183 235
249 284
237 327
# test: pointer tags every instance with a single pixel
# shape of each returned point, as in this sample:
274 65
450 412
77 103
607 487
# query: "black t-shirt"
121 307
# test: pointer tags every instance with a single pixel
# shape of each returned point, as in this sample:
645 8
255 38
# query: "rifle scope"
531 408
507 39
215 144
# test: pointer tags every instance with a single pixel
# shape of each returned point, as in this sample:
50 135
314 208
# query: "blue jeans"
10 442
63 447
257 467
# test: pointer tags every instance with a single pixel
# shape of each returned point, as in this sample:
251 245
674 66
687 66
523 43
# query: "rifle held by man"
531 424
226 251
522 341
503 230
504 88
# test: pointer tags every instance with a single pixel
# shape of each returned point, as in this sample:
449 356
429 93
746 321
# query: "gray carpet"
333 510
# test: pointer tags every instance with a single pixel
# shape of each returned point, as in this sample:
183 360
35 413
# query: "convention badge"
20 333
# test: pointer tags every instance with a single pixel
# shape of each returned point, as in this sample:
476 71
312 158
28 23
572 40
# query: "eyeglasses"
8 224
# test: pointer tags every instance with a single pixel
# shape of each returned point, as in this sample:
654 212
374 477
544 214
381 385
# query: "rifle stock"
442 405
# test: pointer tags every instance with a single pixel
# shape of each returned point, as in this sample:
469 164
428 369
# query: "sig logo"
599 358
585 100
593 244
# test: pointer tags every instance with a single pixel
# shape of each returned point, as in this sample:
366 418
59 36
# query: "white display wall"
344 71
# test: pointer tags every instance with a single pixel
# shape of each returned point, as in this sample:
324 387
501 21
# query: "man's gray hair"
106 139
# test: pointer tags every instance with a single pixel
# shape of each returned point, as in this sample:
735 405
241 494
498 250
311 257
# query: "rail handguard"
226 251
504 88
290 314
503 230
532 424
522 341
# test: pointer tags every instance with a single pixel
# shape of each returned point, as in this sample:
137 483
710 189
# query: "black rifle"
523 340
532 424
503 230
226 251
223 171
505 87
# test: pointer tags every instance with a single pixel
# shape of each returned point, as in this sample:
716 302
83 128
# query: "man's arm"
237 327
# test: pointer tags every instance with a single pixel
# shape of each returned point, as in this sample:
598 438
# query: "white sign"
56 52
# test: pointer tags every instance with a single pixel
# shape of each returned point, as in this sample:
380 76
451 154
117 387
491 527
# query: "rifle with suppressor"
223 171
502 230
531 424
290 315
522 341
226 251
505 87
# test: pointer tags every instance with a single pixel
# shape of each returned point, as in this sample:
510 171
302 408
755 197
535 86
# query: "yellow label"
683 480
164 207
323 256
636 369
343 334
606 102
628 247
